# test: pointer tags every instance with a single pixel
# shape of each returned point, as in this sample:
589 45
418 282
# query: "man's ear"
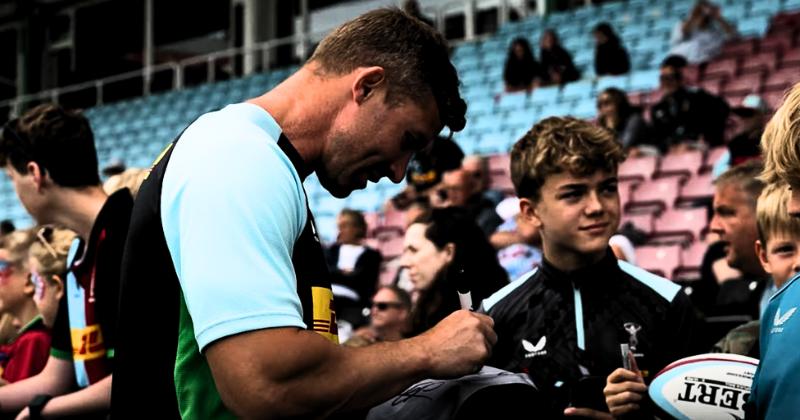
367 80
37 173
528 210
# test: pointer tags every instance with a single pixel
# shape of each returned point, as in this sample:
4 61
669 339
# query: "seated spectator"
753 114
47 259
610 56
28 352
425 170
458 189
444 253
388 319
6 227
701 36
354 268
685 113
478 167
521 71
778 249
624 120
557 65
519 246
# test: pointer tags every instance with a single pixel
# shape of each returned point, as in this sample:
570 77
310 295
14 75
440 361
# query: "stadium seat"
738 48
655 195
791 58
744 85
686 224
777 43
580 89
761 62
390 246
641 221
637 169
684 164
660 260
691 261
697 190
781 79
512 101
724 68
712 156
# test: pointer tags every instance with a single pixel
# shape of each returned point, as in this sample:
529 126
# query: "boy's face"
780 257
575 215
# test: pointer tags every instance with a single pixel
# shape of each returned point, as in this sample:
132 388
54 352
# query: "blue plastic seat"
578 90
619 82
644 80
545 95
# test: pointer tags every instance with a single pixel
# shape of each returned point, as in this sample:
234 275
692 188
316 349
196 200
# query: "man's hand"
459 344
587 413
24 414
624 391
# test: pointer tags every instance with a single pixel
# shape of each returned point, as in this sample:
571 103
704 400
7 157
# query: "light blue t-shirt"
240 245
774 386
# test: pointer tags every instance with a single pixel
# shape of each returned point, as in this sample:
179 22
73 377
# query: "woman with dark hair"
522 70
557 64
445 251
610 57
618 115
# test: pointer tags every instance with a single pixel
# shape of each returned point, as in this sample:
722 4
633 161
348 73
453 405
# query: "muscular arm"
56 378
288 372
92 399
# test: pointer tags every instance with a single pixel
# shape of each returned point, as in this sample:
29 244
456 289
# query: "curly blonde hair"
780 143
560 144
43 260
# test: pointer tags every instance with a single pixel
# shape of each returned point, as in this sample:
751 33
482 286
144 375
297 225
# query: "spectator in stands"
701 36
778 249
27 353
6 227
522 71
130 178
389 318
478 167
50 156
425 170
773 391
557 65
354 268
624 120
47 259
444 253
736 193
753 114
458 189
566 323
519 246
610 56
685 113
223 227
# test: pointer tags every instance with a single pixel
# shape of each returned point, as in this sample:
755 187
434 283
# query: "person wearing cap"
753 114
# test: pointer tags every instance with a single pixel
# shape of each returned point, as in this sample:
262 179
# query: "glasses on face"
45 235
382 306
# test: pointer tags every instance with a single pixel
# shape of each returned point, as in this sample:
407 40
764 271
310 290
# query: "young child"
582 314
27 354
778 249
47 260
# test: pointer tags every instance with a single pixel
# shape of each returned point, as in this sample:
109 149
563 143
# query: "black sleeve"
364 277
680 333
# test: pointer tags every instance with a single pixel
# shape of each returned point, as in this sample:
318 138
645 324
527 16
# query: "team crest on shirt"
324 313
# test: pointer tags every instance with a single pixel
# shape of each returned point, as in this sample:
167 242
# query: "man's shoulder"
514 296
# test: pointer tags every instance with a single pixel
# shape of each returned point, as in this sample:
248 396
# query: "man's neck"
77 209
291 104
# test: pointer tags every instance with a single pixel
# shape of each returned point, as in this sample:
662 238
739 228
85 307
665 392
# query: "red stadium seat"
697 189
791 58
777 42
744 85
739 48
691 261
681 224
773 99
782 79
657 194
661 260
763 61
721 68
683 164
624 189
637 169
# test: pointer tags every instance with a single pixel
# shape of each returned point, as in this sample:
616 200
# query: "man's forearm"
95 398
55 379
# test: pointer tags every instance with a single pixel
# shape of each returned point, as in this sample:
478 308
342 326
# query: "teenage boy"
582 314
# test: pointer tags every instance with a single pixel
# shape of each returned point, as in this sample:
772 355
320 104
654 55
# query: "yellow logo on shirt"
158 159
87 343
324 313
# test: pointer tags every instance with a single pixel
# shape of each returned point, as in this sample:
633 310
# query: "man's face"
670 80
459 186
387 311
373 139
26 190
348 230
735 222
780 257
575 215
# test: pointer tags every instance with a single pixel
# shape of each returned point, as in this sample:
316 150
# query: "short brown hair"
414 56
744 177
358 220
772 214
780 143
559 144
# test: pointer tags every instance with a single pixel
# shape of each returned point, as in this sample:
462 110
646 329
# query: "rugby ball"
707 386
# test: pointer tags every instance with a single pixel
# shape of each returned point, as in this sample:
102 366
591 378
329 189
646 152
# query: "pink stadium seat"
791 58
500 173
739 48
624 189
782 22
713 155
657 194
642 221
773 99
681 223
637 169
691 260
660 260
782 79
393 221
777 42
683 164
391 246
501 182
721 68
763 61
744 84
713 85
698 188
373 221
